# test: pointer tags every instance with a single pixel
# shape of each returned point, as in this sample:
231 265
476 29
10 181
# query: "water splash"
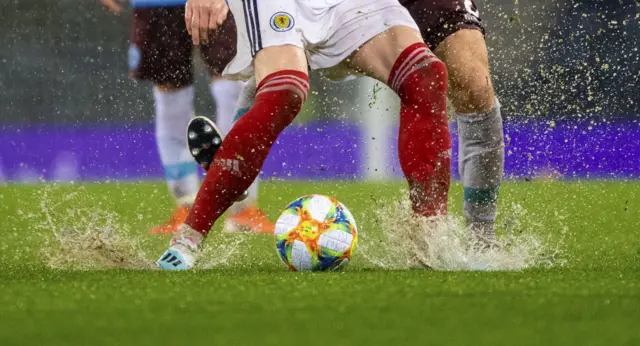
222 249
404 242
84 237
87 238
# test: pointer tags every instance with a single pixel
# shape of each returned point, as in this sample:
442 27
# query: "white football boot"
183 249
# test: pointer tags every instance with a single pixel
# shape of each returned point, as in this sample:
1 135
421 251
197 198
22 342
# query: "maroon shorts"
161 49
437 19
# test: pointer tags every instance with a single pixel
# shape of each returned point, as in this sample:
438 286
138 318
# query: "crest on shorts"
134 57
282 21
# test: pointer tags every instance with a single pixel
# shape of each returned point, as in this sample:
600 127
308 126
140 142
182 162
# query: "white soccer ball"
315 232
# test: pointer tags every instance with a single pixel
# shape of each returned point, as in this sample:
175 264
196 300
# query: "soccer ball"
315 232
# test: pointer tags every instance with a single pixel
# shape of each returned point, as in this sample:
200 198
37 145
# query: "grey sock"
481 165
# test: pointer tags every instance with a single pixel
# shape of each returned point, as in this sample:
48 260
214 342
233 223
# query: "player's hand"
115 6
201 16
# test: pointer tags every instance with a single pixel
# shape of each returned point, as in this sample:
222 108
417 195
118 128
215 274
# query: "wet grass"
590 297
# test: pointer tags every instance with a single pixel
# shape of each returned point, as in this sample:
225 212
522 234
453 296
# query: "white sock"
246 99
174 110
226 93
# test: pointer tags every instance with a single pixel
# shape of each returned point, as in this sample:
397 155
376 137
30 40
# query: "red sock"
424 144
237 163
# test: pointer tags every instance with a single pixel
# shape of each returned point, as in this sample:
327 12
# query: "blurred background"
566 72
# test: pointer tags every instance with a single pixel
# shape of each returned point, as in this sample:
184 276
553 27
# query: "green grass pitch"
593 299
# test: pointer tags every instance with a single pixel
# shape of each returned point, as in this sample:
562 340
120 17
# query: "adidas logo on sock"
230 165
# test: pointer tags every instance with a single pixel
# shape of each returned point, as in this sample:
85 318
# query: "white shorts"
328 30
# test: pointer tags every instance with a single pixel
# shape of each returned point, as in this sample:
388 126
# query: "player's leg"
160 52
283 86
481 143
402 60
454 31
281 72
173 111
243 215
225 94
280 68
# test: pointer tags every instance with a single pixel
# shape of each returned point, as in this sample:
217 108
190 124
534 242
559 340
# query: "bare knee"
377 56
470 88
465 55
278 58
